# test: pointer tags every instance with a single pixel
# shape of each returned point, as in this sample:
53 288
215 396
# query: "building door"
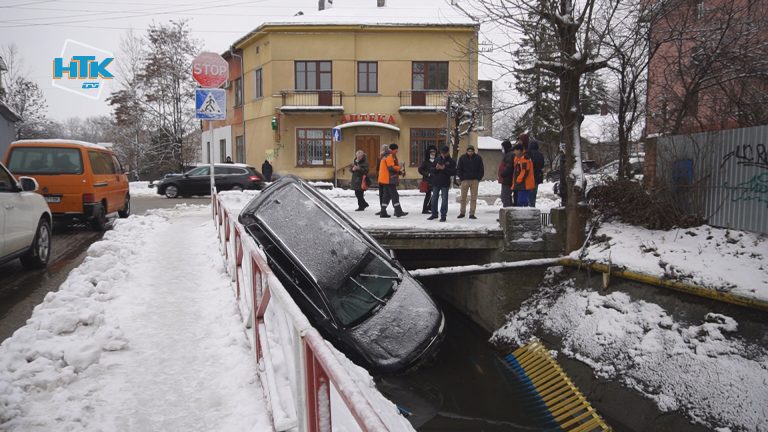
370 144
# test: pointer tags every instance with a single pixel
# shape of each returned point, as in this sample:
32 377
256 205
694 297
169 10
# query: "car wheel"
236 187
40 252
172 191
99 222
126 211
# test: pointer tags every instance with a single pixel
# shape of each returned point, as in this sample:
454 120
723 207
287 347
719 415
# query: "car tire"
126 211
172 191
237 187
99 222
40 252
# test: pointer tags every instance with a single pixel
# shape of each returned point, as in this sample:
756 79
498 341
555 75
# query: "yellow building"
378 71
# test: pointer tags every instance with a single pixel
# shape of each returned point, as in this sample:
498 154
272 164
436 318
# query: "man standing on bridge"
389 175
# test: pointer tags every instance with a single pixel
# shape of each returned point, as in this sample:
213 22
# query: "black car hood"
401 330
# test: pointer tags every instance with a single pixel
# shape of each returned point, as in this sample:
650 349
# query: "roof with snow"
605 128
366 12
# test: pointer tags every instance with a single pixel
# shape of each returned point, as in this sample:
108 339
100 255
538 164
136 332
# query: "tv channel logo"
82 69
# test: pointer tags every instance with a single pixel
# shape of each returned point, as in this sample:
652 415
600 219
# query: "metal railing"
312 98
312 378
424 98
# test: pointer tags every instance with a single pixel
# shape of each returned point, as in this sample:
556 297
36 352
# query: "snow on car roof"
53 142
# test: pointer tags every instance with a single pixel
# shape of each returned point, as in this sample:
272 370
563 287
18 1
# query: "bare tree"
710 70
580 30
24 97
463 112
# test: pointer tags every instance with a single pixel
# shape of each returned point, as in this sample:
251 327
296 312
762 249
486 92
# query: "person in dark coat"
505 172
425 169
470 171
360 168
266 169
444 169
538 170
229 160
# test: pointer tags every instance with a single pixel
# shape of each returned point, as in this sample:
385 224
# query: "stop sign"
210 69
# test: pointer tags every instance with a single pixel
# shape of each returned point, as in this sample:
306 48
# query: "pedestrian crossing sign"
210 104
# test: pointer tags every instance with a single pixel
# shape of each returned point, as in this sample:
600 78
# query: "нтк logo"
82 69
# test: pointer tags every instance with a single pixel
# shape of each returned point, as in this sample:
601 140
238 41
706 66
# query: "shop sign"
380 118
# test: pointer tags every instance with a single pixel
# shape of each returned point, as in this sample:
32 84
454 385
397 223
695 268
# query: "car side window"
101 163
7 183
199 171
118 166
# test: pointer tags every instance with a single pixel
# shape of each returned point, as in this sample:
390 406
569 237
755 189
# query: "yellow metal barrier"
566 405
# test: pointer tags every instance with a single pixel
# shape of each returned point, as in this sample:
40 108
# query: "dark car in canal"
347 285
197 181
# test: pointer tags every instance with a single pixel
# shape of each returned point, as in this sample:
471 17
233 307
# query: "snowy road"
143 336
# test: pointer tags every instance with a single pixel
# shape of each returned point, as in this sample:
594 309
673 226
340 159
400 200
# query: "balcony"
312 101
423 100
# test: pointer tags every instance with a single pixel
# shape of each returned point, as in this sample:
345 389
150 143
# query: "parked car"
197 181
25 222
348 286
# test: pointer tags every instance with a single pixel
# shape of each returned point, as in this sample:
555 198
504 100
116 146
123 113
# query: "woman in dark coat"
425 169
359 169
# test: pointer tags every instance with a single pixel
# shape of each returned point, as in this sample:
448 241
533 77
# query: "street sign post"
210 70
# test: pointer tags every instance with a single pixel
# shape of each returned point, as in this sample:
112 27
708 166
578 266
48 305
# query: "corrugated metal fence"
722 176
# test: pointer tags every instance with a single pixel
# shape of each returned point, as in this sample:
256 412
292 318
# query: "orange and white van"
79 180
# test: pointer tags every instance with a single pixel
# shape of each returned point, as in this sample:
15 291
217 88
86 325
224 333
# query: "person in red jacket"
523 180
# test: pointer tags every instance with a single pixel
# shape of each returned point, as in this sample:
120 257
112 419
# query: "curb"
696 290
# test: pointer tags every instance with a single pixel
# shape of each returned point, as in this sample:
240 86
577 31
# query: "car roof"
56 143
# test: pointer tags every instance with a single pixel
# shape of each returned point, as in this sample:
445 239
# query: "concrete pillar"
522 229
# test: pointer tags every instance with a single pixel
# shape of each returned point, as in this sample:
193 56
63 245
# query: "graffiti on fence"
748 155
754 189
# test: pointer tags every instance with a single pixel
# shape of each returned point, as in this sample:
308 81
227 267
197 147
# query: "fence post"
318 393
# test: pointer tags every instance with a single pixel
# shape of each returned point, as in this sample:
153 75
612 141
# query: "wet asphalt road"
21 290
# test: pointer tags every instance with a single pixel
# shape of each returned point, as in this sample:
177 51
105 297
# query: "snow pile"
729 261
143 335
698 368
141 188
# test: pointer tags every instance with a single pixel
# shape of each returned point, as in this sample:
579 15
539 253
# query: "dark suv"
347 285
197 181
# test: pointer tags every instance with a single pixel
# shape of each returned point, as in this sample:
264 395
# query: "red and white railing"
307 386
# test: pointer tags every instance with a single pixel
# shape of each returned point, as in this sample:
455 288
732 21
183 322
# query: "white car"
25 222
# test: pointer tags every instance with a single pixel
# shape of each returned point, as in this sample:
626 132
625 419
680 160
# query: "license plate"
53 199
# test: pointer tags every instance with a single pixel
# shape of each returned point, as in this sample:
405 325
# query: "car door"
199 181
18 229
102 178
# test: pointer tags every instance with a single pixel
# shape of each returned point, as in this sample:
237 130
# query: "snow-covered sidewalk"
143 336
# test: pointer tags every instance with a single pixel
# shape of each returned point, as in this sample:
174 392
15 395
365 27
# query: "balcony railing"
423 100
312 100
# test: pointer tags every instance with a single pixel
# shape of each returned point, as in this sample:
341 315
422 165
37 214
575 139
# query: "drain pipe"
485 268
242 107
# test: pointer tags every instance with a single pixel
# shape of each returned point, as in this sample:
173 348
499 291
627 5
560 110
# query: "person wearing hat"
425 169
505 172
538 169
444 169
524 181
382 154
389 175
470 171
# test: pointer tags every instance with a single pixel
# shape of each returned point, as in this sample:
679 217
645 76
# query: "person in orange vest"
523 180
389 176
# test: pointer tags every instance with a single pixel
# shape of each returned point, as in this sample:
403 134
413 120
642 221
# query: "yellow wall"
393 49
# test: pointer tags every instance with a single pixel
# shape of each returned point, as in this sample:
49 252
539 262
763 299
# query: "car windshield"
45 160
353 279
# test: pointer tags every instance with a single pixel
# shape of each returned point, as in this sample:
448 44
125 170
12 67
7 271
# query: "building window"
314 147
313 75
258 88
429 76
367 77
222 150
423 138
238 86
240 149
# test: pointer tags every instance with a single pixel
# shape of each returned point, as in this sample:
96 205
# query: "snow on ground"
411 201
144 335
729 261
699 368
141 188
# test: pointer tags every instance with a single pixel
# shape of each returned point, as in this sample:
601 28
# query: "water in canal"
465 388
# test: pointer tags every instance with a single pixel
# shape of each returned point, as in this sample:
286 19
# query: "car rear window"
331 253
45 160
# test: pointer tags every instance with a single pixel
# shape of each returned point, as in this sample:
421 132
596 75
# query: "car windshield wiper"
366 290
375 276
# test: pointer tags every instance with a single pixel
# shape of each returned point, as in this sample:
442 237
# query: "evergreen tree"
594 92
